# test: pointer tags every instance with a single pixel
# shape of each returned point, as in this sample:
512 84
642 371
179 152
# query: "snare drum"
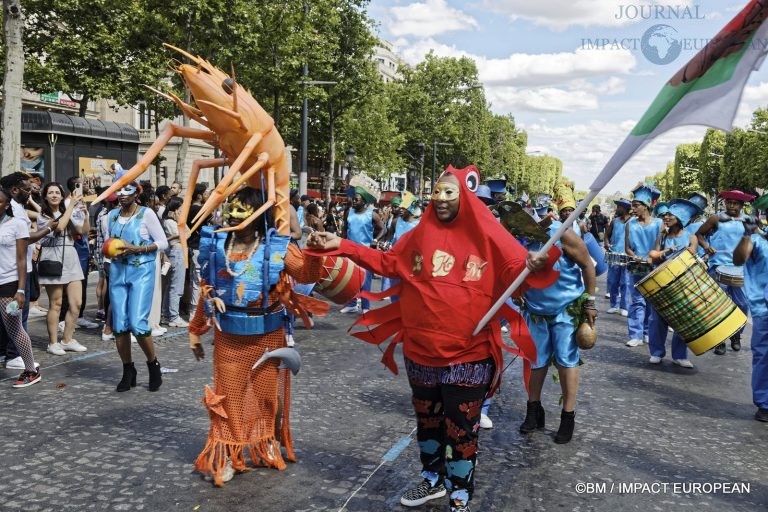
638 267
616 258
730 275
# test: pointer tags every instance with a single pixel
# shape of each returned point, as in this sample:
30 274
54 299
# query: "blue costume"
551 326
131 278
724 240
641 240
755 284
658 327
256 277
618 277
360 230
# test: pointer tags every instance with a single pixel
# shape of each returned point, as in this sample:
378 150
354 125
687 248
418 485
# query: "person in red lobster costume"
453 266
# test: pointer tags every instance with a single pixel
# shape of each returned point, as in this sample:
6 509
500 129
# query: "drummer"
641 233
701 201
752 252
618 278
678 214
725 230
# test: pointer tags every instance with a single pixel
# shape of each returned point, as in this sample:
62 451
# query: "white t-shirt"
11 229
19 212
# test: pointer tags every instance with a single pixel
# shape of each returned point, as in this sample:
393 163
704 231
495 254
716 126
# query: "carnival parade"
507 330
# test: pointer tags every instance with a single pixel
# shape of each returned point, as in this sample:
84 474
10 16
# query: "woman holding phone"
58 245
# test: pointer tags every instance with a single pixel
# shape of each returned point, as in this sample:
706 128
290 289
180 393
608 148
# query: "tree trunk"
83 104
13 75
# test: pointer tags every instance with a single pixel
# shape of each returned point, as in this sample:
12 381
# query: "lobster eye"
472 180
228 85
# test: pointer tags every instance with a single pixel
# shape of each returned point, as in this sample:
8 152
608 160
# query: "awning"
43 121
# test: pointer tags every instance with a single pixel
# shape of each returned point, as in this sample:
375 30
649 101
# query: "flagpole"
627 149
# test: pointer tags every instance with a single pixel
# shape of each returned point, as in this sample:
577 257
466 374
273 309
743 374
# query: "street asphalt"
648 437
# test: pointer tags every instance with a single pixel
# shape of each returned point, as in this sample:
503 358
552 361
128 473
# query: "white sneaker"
485 421
683 363
634 343
504 328
612 311
17 363
36 312
61 326
107 337
179 322
624 313
157 332
645 339
607 295
87 324
350 309
72 346
56 349
654 360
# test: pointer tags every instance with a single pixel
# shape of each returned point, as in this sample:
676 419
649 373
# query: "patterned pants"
447 401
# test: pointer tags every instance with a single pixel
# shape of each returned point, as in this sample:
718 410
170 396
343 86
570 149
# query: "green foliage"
539 174
369 128
91 49
686 173
710 162
440 101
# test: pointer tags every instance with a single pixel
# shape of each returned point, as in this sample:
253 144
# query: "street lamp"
434 161
305 129
349 158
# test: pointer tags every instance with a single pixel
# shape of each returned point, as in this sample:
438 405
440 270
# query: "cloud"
521 69
754 96
584 149
548 99
528 69
562 14
427 19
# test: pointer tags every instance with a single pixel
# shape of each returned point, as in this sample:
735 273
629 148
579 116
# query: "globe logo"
661 44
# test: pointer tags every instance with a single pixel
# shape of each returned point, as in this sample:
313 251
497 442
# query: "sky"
545 63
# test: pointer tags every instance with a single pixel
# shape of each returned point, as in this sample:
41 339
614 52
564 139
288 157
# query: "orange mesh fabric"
249 407
243 405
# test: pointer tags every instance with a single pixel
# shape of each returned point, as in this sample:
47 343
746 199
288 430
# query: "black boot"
534 417
736 342
129 378
155 378
565 432
720 349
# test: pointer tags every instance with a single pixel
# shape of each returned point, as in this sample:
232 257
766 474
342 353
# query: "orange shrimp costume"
249 405
245 402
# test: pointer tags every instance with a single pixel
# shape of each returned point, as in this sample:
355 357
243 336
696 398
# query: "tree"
13 75
710 161
369 128
92 49
439 100
685 171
